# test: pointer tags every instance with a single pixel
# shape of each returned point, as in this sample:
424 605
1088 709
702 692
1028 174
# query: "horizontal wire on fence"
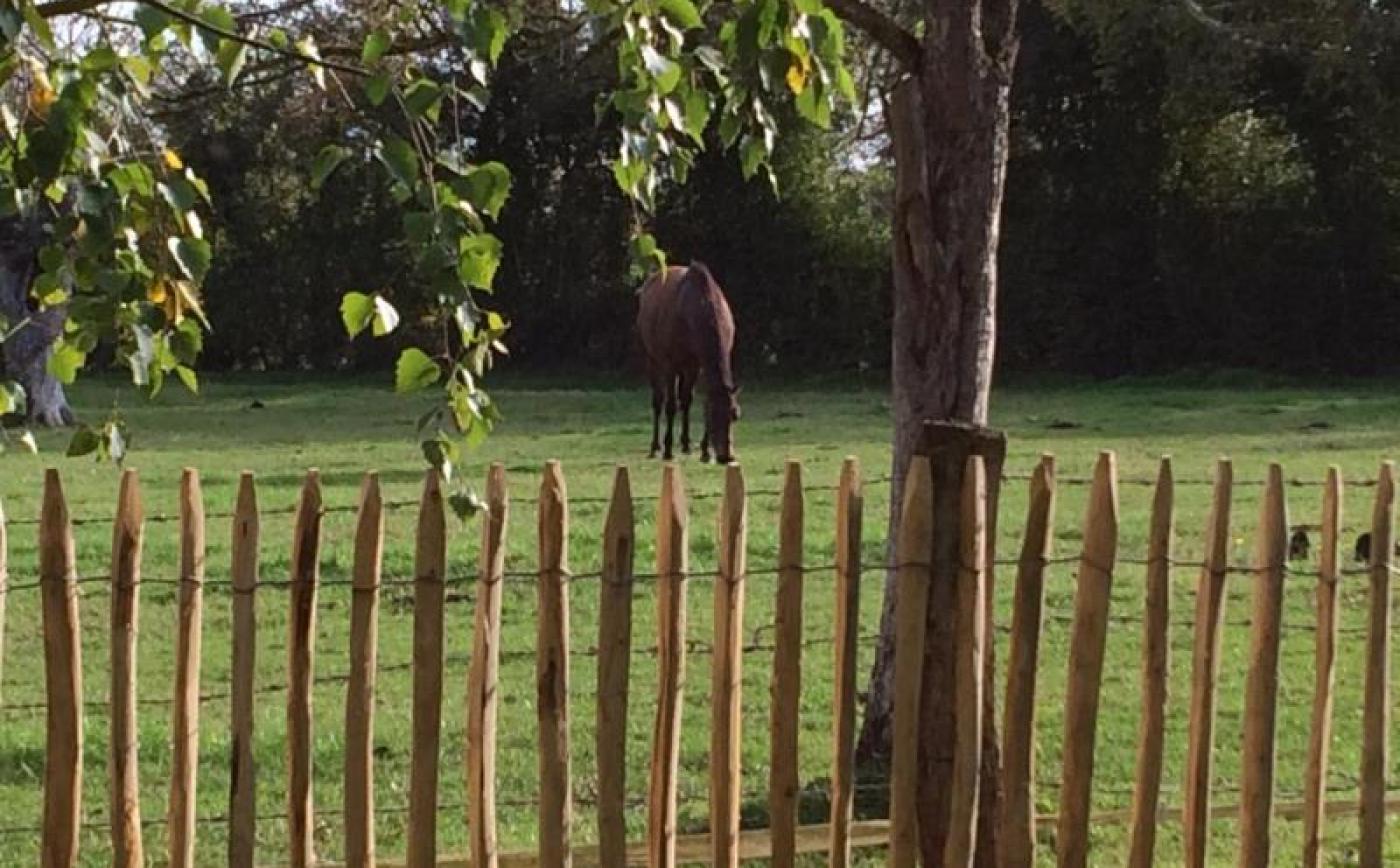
396 505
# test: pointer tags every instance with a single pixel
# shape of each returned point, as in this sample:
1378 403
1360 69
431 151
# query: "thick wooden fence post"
125 784
429 572
1027 617
913 567
1261 688
359 697
185 713
672 566
63 680
306 551
482 698
1156 648
1086 653
1375 750
1205 669
787 676
242 809
552 671
614 668
727 672
850 511
970 647
1320 734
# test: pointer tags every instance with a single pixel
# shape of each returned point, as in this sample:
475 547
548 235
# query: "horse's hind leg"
670 416
705 437
686 394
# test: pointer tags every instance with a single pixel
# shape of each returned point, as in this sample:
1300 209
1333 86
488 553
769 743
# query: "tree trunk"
32 332
949 125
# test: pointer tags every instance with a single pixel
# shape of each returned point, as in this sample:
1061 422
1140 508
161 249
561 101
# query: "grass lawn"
346 427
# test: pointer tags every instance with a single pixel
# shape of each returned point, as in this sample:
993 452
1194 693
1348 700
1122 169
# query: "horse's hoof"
704 459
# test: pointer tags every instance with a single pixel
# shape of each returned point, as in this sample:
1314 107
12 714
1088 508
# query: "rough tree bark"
30 342
949 122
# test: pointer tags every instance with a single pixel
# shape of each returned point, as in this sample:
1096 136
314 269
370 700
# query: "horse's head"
724 412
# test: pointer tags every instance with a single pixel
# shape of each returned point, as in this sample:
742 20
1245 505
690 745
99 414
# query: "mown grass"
346 427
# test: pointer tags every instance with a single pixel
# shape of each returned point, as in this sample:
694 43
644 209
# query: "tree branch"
199 23
54 8
881 28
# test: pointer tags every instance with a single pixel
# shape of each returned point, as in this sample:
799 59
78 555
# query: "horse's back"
658 309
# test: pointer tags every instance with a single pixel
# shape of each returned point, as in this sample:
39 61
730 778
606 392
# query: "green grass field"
347 427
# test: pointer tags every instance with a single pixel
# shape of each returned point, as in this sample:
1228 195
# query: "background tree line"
1178 197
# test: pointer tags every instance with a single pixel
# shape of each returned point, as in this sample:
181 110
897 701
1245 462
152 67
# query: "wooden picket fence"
724 844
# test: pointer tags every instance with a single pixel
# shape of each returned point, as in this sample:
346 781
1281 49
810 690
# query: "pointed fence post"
125 784
63 680
482 694
306 555
1375 729
850 503
552 671
359 697
242 809
185 714
787 676
429 571
727 672
913 574
672 566
614 667
1320 735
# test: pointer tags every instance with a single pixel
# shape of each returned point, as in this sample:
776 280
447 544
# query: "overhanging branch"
879 27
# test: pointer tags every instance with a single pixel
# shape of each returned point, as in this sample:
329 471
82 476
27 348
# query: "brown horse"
687 330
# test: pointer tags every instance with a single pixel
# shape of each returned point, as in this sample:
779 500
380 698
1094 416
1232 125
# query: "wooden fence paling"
971 648
1156 649
614 664
429 572
1086 654
306 548
850 502
1320 735
4 584
63 680
672 565
787 675
482 698
185 709
1027 618
242 810
125 785
913 565
1205 668
727 672
552 671
1375 753
1261 687
359 697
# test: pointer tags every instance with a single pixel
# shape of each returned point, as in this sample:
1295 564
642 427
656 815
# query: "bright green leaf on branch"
415 371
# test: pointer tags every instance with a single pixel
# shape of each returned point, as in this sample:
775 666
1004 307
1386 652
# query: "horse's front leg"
658 397
687 393
670 417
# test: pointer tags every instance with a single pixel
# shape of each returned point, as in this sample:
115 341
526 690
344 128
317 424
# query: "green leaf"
100 59
152 21
376 43
85 441
377 88
37 24
401 160
682 13
486 32
326 162
697 114
192 255
440 453
356 311
663 70
188 377
423 99
231 58
812 104
487 187
12 399
752 157
845 84
114 441
65 362
415 371
480 256
646 254
218 18
465 504
306 47
386 317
